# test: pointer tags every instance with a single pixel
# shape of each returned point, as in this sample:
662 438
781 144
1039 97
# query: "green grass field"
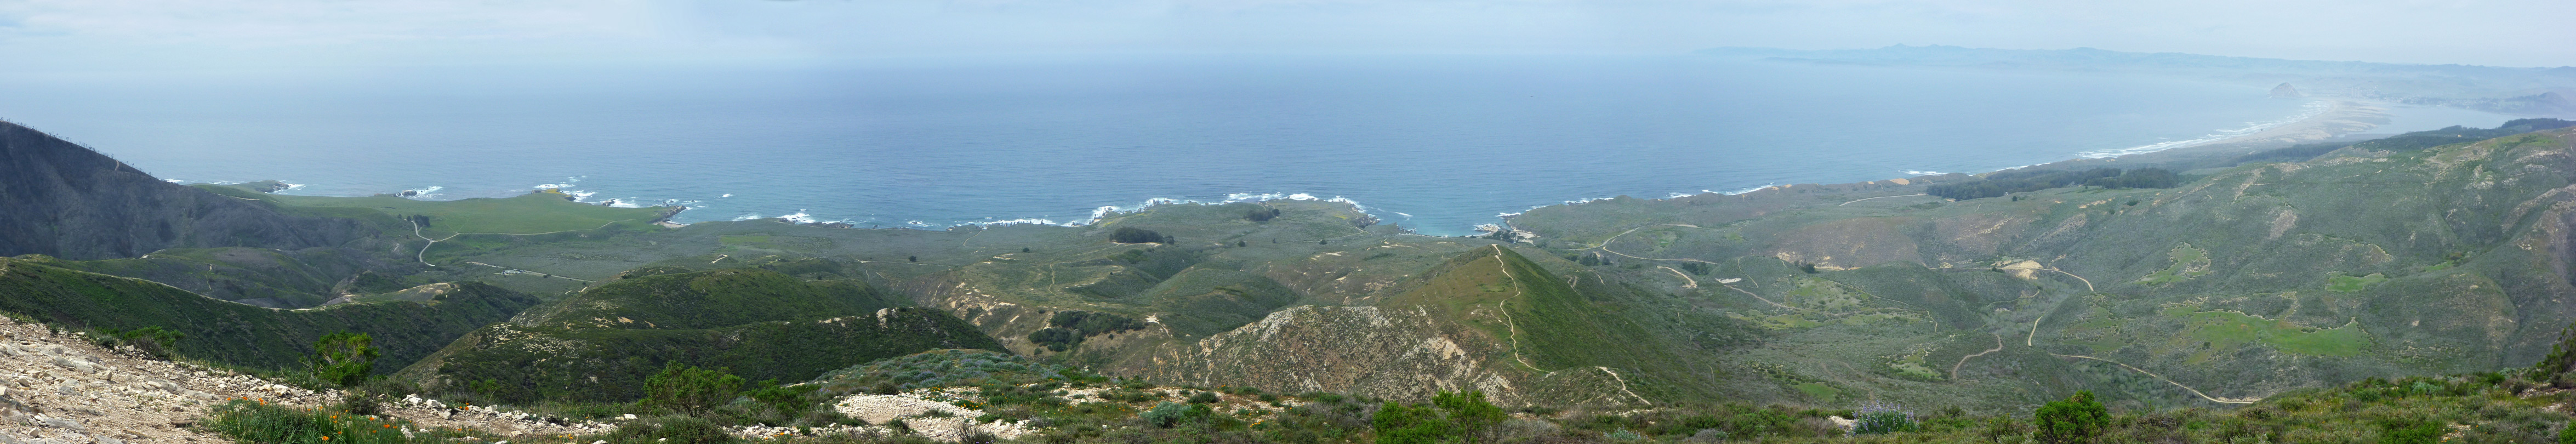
2352 284
2226 329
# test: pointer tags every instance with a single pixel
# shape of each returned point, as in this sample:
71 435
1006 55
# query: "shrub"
2410 432
1451 417
786 400
1876 418
2078 419
1402 424
1204 398
671 430
2567 435
690 390
1469 414
1262 214
1172 414
154 340
246 420
343 358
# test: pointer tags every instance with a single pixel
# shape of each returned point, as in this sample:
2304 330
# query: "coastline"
2338 117
2342 117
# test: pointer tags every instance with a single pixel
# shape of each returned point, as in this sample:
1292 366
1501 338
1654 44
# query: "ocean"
1435 143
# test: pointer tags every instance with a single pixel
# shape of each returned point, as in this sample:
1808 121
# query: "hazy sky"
72 35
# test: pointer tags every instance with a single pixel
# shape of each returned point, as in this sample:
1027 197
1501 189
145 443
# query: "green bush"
670 430
1171 414
1203 398
690 390
2410 432
785 400
1876 418
1403 424
246 420
343 358
1451 417
2078 419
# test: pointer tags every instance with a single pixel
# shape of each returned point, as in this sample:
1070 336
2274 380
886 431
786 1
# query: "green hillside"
2240 284
599 345
243 335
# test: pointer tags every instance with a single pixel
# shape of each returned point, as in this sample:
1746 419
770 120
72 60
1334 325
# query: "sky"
89 35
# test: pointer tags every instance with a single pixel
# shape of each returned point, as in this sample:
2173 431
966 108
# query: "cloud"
257 32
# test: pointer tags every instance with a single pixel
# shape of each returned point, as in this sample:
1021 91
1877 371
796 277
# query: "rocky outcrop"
1398 353
2286 92
61 199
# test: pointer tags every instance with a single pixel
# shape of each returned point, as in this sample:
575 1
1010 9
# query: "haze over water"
1439 144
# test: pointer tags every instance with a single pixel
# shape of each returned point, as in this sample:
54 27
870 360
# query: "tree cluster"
1068 328
1133 235
1262 213
1999 184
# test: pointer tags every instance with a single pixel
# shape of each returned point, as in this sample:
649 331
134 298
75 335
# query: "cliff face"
60 199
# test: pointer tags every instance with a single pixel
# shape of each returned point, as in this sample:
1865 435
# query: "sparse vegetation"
691 390
257 421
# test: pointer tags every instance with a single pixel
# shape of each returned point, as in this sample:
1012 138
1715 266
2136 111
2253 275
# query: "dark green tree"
1470 415
1403 424
690 390
2078 419
1133 235
787 401
343 358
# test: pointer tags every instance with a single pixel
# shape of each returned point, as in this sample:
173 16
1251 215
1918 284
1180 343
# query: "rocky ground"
61 388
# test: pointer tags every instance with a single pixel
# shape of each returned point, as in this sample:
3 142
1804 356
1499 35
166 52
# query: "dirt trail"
1504 307
1963 360
1881 197
2193 391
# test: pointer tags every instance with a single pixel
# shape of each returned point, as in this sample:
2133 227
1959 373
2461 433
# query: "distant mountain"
58 198
2490 88
2285 91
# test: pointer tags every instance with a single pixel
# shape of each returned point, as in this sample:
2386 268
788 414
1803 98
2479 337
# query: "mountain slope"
1489 319
245 335
600 345
2243 283
60 199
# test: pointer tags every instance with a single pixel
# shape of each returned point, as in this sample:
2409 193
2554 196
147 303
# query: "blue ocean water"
1439 144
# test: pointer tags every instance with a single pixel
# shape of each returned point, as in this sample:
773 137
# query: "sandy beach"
2343 117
